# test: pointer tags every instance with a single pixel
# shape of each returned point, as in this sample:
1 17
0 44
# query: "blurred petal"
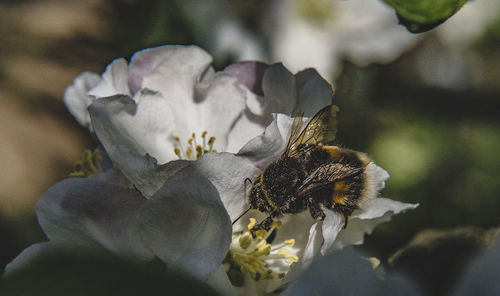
363 221
29 255
346 273
57 272
186 226
114 80
76 98
92 214
220 282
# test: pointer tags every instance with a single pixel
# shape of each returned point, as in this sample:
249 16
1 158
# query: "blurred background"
425 106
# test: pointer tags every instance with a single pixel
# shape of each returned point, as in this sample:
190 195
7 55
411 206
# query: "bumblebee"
312 174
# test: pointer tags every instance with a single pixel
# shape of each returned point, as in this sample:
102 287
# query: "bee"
312 174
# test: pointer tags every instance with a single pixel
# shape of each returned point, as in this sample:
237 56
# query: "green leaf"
423 15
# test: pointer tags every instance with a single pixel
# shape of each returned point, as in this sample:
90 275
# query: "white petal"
182 74
363 221
123 125
91 213
186 226
313 245
114 80
227 172
168 69
76 98
264 149
332 225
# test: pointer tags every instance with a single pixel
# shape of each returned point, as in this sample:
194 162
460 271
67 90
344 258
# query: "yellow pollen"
276 224
252 223
194 150
251 253
290 242
261 233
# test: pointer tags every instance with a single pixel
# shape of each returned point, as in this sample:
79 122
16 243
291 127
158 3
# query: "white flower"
179 210
321 33
164 93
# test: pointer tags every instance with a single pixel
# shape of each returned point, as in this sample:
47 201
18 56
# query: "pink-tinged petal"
114 80
167 61
94 214
186 226
249 74
76 98
192 90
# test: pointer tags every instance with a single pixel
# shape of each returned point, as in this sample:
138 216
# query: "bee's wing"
321 129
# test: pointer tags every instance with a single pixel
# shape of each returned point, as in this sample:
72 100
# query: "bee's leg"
346 219
316 211
265 224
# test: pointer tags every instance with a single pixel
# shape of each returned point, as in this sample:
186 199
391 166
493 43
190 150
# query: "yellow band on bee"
334 151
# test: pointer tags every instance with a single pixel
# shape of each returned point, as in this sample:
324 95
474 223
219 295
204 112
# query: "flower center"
193 151
253 253
89 165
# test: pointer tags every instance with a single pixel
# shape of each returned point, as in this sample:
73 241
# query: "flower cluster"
182 139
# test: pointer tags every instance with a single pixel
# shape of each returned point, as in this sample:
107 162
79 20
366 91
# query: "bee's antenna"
246 211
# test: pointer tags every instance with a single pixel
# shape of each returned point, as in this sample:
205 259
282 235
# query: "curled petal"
140 126
76 98
114 80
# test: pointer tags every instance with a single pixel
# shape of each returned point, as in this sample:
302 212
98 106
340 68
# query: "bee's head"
258 197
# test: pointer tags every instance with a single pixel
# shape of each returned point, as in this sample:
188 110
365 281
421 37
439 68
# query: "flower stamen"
194 150
89 165
252 253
